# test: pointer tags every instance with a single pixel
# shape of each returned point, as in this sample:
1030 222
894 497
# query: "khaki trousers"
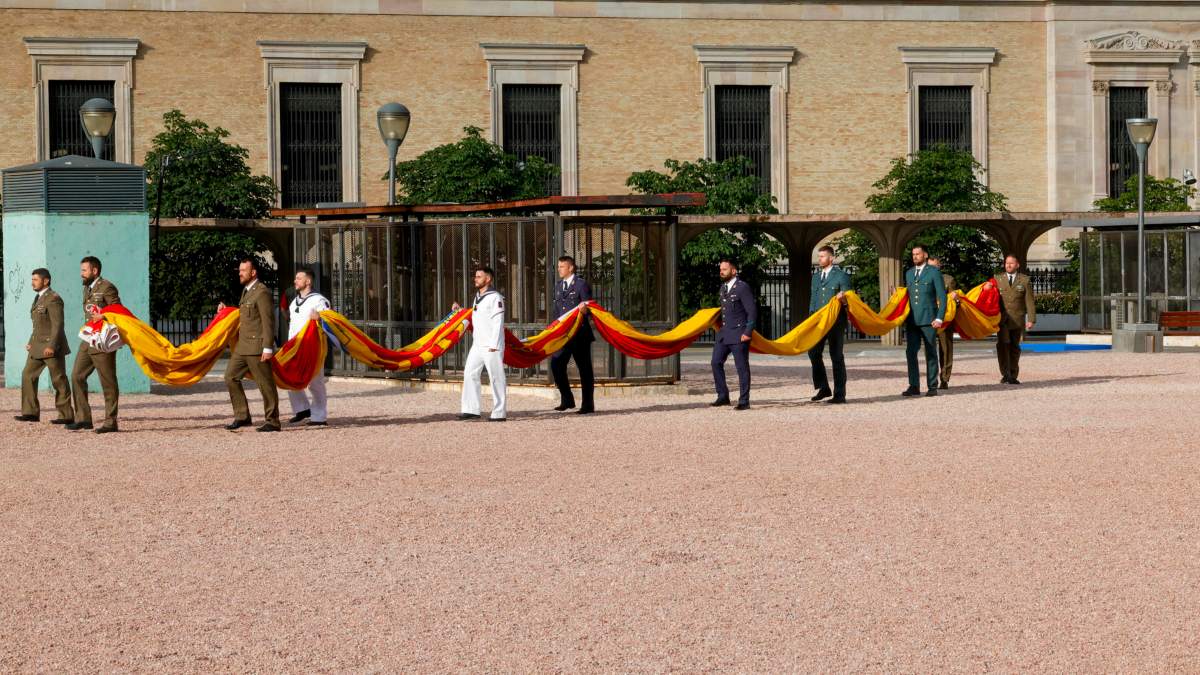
103 364
58 378
946 353
241 365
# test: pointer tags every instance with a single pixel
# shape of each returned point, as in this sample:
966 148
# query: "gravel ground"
1047 527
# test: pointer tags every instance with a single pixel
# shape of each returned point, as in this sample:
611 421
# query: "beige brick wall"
640 95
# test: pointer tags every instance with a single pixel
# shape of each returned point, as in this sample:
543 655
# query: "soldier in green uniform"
927 310
828 283
98 293
47 349
946 335
254 350
1017 315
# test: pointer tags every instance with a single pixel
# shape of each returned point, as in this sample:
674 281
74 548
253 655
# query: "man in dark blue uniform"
739 311
570 292
828 283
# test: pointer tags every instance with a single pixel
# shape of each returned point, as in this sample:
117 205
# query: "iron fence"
1049 280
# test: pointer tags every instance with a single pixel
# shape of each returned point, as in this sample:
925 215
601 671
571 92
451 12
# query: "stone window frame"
951 67
314 62
1194 66
552 64
753 65
1131 59
84 58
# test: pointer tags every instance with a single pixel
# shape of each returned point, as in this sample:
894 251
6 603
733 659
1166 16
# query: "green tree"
1162 194
729 188
471 170
206 177
937 180
191 271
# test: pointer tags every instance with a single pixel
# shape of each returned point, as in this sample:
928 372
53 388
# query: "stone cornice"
494 51
949 55
287 49
744 54
82 46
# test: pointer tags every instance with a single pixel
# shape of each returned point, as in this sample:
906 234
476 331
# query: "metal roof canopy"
674 200
75 184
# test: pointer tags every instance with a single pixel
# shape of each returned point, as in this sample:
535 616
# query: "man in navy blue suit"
739 311
570 292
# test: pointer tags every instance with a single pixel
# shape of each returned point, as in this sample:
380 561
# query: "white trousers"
478 359
319 405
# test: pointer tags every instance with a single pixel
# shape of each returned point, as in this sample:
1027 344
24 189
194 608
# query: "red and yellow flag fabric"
975 315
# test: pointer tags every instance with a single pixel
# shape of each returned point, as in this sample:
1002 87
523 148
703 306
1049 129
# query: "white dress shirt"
487 321
301 308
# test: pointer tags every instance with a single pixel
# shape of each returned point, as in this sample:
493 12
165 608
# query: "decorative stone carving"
1100 87
1164 86
1131 41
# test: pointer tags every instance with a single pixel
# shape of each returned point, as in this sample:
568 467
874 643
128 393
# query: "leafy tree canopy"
1162 194
207 177
191 271
471 170
729 187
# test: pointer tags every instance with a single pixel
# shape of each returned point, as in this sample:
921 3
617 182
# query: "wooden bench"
1178 323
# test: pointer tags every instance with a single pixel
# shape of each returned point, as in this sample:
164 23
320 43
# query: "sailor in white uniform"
305 306
487 349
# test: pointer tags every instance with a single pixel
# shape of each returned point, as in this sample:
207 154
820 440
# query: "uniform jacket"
487 320
1016 301
48 331
836 281
577 291
256 321
739 312
926 295
300 308
100 293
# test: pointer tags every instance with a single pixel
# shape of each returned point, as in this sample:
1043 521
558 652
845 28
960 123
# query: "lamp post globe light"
97 116
1141 134
393 119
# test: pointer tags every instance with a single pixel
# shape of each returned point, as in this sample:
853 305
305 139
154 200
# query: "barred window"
532 114
1123 103
310 143
945 117
743 128
66 133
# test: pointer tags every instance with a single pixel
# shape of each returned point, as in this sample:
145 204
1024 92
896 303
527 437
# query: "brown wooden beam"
674 200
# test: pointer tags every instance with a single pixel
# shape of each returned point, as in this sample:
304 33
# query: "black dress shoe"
931 392
563 406
312 423
302 415
238 424
468 416
1004 380
585 410
838 399
267 428
107 429
497 419
911 391
719 402
945 385
77 426
742 406
26 418
823 394
1014 380
63 421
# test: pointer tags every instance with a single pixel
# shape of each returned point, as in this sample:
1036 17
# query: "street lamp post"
1141 133
97 116
393 121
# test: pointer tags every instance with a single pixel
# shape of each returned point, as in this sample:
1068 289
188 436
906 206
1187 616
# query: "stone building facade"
824 94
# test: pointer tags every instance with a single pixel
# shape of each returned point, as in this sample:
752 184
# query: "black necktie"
35 299
1011 279
564 287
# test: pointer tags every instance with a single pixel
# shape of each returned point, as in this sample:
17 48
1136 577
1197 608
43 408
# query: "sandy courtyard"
1053 526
